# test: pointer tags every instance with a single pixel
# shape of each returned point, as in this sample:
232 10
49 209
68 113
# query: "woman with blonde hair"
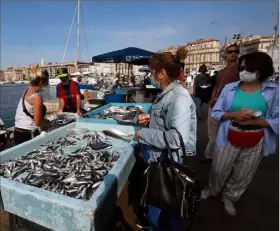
31 110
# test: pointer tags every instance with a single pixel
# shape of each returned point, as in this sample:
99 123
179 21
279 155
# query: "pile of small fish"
61 120
77 174
122 112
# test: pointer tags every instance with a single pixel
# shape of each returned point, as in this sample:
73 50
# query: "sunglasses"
233 52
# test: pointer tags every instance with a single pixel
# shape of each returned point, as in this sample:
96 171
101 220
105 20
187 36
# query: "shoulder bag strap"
181 142
24 108
180 139
169 152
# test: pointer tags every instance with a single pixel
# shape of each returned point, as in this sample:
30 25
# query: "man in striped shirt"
68 92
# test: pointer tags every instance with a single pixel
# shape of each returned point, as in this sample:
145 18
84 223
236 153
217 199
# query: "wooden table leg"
12 222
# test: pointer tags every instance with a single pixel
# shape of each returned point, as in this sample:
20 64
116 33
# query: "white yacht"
54 81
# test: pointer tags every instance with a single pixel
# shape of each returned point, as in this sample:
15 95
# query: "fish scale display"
73 165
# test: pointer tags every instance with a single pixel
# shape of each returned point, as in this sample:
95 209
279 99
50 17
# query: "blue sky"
31 30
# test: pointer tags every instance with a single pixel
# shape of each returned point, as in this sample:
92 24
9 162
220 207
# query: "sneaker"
142 222
229 207
205 194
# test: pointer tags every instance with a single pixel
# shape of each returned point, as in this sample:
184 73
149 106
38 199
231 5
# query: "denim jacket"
174 107
270 92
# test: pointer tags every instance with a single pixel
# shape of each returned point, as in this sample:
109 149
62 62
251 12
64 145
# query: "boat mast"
78 39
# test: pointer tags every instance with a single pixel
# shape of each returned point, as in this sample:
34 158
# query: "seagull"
213 22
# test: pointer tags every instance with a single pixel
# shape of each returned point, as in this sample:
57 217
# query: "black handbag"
172 186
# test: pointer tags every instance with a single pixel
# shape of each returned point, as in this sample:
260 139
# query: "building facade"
14 74
254 43
202 51
172 49
2 75
52 68
273 52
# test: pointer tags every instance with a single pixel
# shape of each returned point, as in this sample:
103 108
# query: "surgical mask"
156 85
247 76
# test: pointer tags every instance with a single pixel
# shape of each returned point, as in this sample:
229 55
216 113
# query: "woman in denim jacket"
173 108
249 114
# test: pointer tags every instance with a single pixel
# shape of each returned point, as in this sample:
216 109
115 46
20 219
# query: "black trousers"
23 135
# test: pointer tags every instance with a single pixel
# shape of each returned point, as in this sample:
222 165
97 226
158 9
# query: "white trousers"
233 168
213 128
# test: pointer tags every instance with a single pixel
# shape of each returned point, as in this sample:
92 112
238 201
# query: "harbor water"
9 98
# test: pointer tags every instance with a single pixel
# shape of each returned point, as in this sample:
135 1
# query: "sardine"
77 175
117 134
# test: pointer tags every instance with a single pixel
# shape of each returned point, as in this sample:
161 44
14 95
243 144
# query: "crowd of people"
243 121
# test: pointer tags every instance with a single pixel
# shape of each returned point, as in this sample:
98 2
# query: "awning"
126 55
141 61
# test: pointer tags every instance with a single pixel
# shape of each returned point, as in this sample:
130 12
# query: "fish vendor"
69 93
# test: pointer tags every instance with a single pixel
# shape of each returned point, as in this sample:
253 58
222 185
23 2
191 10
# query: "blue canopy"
141 61
122 56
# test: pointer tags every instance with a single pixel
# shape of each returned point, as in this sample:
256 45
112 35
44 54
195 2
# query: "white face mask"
247 76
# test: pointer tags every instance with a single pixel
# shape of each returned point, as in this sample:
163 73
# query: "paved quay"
257 209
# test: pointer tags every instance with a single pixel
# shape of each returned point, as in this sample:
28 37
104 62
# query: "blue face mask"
156 85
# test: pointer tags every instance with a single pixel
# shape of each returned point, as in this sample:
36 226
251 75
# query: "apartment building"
2 75
13 74
202 51
172 49
52 67
273 52
254 43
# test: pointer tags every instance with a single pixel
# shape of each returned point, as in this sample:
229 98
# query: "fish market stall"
70 179
117 113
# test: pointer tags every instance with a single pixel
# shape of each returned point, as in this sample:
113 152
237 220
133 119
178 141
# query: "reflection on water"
9 98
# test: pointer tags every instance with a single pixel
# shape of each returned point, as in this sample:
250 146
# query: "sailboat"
78 72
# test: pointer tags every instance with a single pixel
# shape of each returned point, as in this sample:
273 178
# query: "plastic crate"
91 114
121 91
114 98
62 213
